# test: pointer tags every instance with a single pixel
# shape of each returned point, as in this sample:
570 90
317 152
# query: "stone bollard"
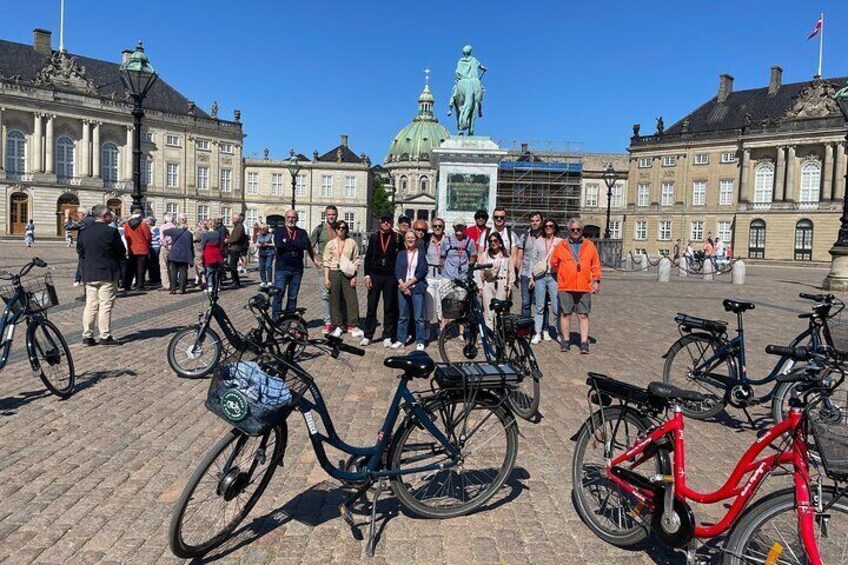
681 267
708 270
664 270
628 262
738 273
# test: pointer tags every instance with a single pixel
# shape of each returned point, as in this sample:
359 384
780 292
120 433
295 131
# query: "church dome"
416 141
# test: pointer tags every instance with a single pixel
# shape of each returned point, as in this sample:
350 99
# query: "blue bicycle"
47 349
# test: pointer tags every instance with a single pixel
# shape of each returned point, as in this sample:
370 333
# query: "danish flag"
817 29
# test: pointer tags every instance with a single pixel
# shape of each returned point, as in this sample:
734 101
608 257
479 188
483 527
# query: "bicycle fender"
30 348
705 335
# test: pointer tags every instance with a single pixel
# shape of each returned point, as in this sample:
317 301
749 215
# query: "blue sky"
303 73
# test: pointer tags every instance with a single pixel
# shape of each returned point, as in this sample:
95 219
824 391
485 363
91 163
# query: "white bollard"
681 267
738 273
664 270
628 262
708 269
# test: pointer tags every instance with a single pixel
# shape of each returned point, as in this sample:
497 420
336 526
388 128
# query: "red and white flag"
817 29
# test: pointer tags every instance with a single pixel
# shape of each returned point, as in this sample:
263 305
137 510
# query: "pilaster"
745 170
827 188
790 193
37 163
780 176
95 151
839 175
48 146
85 150
128 155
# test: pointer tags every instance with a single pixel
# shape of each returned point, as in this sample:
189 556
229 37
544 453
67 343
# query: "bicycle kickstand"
372 534
344 509
750 420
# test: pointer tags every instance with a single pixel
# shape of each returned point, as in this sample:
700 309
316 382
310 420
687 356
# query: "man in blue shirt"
457 253
291 242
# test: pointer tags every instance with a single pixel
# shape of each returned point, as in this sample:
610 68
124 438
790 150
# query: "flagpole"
62 25
821 43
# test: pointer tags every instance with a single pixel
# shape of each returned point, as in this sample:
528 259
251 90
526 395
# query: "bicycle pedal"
346 514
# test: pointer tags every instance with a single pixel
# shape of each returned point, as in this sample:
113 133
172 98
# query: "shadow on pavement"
89 379
10 405
142 335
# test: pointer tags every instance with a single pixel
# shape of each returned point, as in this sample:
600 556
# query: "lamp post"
138 76
294 168
610 177
837 278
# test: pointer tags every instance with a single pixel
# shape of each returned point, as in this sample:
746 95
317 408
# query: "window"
227 214
757 240
804 240
641 231
202 144
424 183
301 218
109 162
763 184
617 200
645 162
350 187
592 191
664 232
227 181
615 229
172 208
643 194
702 159
323 217
300 187
699 193
276 184
64 158
147 172
326 186
226 148
697 230
667 195
253 183
725 193
15 152
203 178
728 157
810 183
202 212
350 219
669 160
172 140
251 217
147 136
724 230
404 184
172 175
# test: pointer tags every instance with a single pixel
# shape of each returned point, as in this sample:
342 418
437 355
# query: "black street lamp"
610 177
138 77
294 168
837 278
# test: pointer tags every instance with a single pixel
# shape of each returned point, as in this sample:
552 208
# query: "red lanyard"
412 261
384 245
292 233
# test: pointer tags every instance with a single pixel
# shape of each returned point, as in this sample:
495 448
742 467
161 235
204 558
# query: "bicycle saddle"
416 365
271 290
500 305
736 306
671 392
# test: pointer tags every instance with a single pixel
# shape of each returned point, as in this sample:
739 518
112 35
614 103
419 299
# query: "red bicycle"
629 472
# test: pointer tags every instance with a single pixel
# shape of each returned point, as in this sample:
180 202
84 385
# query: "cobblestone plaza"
94 478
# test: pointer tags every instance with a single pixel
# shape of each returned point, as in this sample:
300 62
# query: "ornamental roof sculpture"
61 71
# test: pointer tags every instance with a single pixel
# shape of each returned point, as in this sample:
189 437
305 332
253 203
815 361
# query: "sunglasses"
342 228
494 241
438 227
550 226
385 221
420 229
576 230
500 217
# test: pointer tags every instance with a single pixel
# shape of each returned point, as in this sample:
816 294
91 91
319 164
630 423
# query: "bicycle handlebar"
816 297
338 345
796 353
35 262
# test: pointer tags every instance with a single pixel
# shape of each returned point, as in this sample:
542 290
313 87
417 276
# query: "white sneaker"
337 332
547 336
76 283
419 347
536 339
396 345
356 332
365 342
387 342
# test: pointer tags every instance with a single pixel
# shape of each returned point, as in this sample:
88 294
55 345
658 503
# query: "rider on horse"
467 70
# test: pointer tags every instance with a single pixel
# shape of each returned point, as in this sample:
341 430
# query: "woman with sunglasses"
543 280
411 275
341 261
495 282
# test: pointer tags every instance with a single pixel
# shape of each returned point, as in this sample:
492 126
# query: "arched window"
404 184
757 240
810 182
804 240
424 183
109 162
15 152
64 158
764 184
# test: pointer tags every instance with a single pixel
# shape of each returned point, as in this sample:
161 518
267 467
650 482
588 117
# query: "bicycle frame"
741 494
10 320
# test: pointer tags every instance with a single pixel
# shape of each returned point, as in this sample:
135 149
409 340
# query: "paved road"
94 478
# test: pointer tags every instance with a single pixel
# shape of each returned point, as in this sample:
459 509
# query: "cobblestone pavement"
94 478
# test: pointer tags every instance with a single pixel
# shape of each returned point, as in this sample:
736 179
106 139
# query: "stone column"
827 186
48 145
128 155
95 151
839 174
790 193
85 150
36 144
744 196
2 141
780 176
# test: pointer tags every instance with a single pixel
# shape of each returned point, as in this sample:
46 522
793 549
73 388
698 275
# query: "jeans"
546 285
233 256
152 266
266 267
289 282
177 275
325 296
385 286
211 274
415 303
526 296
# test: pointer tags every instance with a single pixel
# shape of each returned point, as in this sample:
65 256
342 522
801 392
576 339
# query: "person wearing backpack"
458 254
237 243
180 254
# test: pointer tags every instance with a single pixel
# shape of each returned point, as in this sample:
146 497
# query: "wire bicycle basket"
454 302
837 325
39 290
830 430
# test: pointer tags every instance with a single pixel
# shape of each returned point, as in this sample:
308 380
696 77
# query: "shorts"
577 302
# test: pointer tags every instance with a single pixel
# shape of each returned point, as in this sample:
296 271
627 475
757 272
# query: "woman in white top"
341 261
543 280
496 281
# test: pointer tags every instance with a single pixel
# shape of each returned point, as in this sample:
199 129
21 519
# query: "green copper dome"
416 141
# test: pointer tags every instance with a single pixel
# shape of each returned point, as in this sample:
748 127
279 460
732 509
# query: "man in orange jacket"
578 270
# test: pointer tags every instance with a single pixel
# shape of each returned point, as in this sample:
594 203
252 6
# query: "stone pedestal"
664 270
708 270
738 273
628 262
681 267
837 278
468 176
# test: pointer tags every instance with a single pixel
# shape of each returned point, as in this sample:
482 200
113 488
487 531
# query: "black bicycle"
507 342
47 350
195 351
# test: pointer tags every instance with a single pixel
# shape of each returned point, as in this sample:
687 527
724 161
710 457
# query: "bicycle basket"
40 291
253 391
838 327
830 429
453 303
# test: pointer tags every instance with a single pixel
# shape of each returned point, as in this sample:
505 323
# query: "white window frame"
147 172
643 194
664 230
326 186
697 230
350 188
252 183
110 159
699 193
424 183
300 185
645 162
593 191
725 192
276 184
728 157
16 152
172 175
172 140
615 229
640 230
202 144
350 219
811 174
226 180
617 200
202 212
202 177
251 216
669 160
667 194
227 215
147 136
701 159
172 208
226 148
724 230
764 184
64 158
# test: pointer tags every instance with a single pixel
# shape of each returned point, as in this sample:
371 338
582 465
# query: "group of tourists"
714 250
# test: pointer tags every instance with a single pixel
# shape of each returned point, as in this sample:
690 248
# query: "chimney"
524 148
344 140
125 56
774 81
725 87
41 41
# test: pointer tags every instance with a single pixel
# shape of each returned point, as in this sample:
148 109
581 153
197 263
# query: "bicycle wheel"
524 399
218 495
458 342
294 326
485 434
679 369
768 532
613 514
50 356
191 357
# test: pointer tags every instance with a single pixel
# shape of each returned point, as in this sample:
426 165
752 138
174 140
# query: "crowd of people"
714 250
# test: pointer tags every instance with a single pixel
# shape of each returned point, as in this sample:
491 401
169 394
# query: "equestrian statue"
467 96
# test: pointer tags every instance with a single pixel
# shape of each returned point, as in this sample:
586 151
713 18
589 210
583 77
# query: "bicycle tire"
629 512
452 414
456 346
50 352
524 399
205 365
229 483
743 546
681 378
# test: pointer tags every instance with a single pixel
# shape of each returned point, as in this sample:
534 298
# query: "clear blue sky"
303 73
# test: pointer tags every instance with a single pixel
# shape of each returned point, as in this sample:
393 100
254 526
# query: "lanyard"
412 261
438 245
292 233
340 247
384 245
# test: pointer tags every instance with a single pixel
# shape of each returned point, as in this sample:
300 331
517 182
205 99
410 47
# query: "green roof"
416 141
